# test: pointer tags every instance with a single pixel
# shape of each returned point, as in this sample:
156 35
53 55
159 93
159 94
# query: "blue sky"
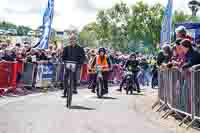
68 12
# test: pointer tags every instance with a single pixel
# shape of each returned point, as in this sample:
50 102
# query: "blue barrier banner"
45 72
166 24
193 30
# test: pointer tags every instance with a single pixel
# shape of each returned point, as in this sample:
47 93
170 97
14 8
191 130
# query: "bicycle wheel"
69 90
100 88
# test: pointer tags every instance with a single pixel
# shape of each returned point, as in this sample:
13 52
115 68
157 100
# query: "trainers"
64 96
120 90
75 92
105 91
93 91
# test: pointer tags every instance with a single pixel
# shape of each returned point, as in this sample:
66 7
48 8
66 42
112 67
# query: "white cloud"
68 12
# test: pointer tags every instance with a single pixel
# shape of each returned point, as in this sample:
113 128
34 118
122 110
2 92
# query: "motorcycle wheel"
100 88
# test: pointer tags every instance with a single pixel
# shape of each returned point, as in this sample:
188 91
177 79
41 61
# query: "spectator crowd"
183 53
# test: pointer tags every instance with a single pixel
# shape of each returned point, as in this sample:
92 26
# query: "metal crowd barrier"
180 92
9 72
40 74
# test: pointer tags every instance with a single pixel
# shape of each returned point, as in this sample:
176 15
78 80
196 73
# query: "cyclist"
132 65
73 52
103 61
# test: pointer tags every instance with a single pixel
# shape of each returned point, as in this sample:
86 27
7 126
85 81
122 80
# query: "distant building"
60 34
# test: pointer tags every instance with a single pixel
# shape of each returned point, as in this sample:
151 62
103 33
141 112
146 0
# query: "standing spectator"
145 70
92 71
154 81
8 56
1 54
198 45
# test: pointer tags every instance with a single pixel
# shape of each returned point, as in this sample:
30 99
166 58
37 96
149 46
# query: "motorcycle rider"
103 61
132 65
73 52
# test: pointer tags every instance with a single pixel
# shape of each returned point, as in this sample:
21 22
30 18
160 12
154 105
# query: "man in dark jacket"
73 52
192 55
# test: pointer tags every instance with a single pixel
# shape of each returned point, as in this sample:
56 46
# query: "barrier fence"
180 92
40 74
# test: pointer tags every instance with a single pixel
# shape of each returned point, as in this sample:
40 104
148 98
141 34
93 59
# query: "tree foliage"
21 30
129 28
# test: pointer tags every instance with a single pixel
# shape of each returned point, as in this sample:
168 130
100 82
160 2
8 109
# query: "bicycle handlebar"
70 62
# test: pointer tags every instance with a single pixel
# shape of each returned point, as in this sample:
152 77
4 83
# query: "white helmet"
180 30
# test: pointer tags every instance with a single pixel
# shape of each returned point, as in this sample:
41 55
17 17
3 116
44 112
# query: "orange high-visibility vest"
102 62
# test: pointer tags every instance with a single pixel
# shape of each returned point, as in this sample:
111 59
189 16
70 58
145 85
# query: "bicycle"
70 69
100 83
130 85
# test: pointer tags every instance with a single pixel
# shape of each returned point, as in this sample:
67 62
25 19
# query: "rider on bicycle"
73 52
132 65
103 62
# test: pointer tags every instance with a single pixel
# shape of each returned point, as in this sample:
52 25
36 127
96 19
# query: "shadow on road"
136 94
109 98
81 108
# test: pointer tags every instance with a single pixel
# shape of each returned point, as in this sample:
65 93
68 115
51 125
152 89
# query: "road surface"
46 113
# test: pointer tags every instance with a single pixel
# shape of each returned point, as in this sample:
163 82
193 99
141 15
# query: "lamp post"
194 5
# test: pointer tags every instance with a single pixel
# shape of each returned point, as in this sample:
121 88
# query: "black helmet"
133 55
102 50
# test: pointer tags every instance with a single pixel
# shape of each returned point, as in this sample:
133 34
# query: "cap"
181 29
166 45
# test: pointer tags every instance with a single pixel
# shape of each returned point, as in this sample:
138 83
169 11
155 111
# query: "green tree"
7 25
23 30
88 35
130 28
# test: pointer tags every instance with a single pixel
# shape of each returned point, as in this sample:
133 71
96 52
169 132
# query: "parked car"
31 33
2 32
12 32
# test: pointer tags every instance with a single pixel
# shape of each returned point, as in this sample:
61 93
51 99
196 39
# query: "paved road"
46 113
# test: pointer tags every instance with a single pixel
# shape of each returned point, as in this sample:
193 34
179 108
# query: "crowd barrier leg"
183 121
164 106
191 123
155 104
158 100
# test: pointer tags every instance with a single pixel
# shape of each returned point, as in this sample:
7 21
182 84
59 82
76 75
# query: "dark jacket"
192 58
114 60
76 53
144 64
8 58
132 65
162 58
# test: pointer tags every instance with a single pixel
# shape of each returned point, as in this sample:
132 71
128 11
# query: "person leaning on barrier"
178 55
181 33
164 55
192 55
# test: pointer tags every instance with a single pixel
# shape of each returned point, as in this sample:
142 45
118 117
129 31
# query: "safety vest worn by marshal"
103 62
